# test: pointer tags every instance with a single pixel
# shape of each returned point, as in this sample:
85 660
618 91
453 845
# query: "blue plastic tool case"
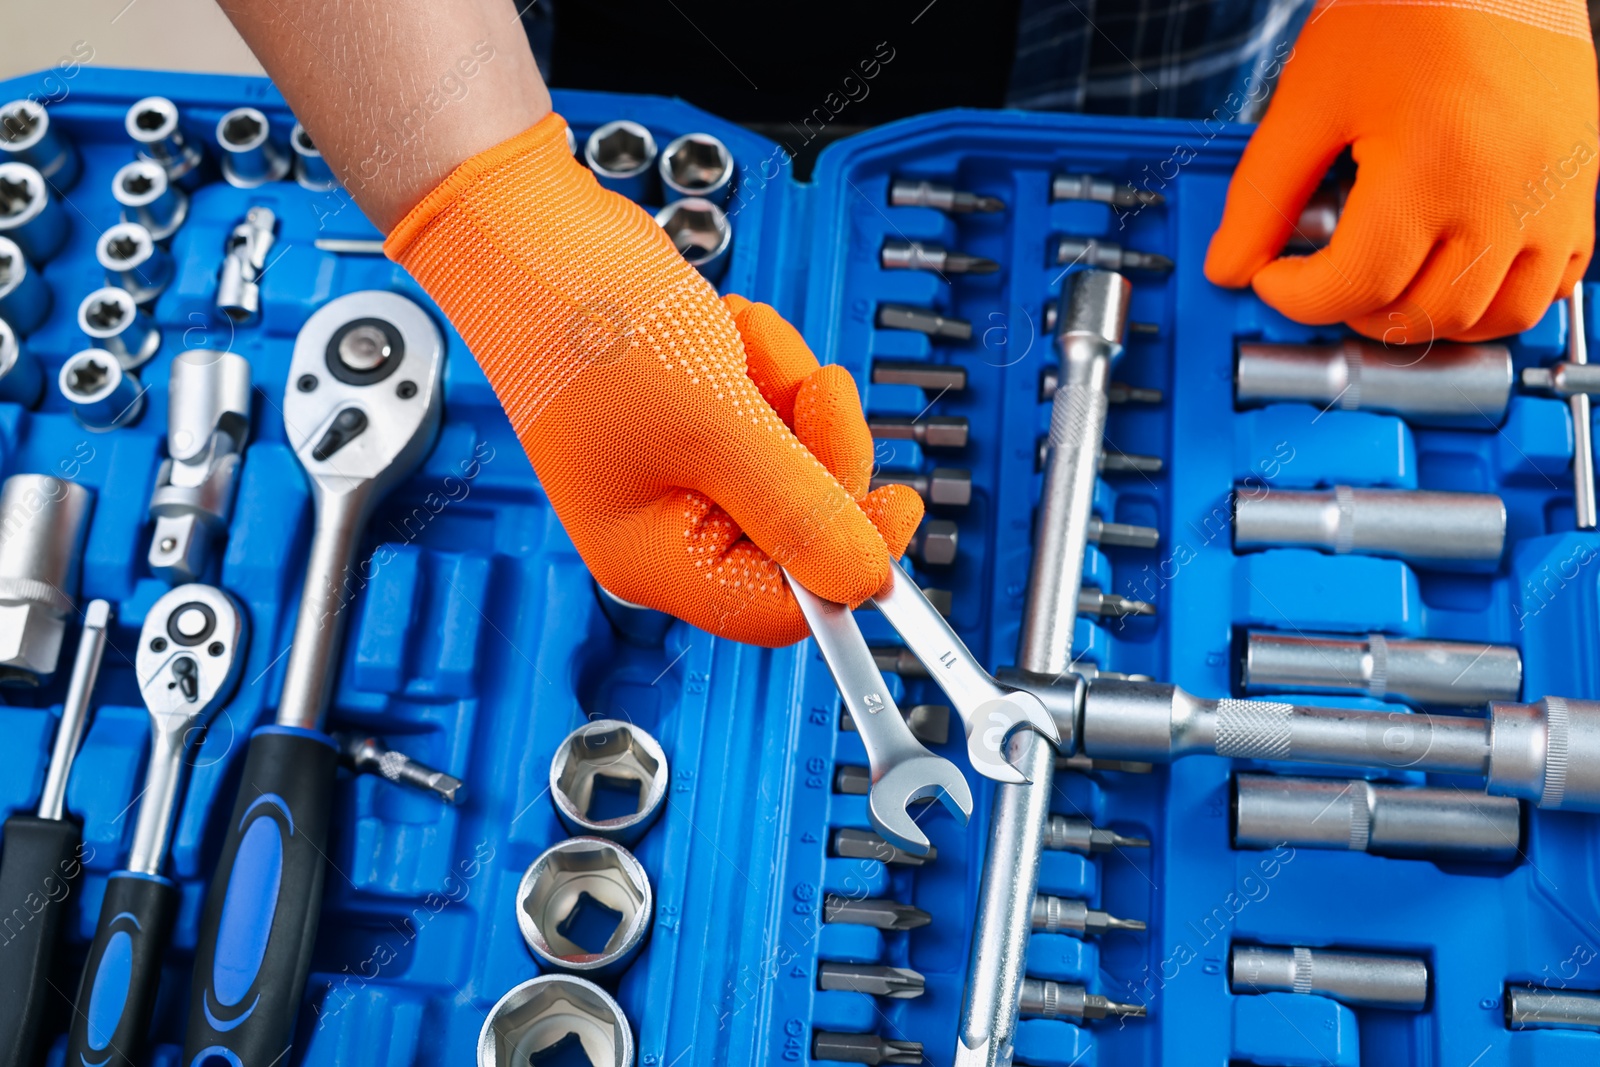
480 643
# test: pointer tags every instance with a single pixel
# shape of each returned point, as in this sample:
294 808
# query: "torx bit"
866 845
1104 190
929 431
1044 999
1092 601
914 255
906 193
1107 255
946 486
883 914
935 542
852 781
1064 833
936 378
1122 533
930 723
922 320
901 983
863 1048
1084 764
1116 392
1058 915
366 754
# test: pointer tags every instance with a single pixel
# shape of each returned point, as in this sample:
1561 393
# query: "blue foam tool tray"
479 643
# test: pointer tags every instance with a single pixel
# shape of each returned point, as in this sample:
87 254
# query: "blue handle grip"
123 972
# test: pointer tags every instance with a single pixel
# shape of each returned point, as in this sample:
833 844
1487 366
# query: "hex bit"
907 193
1116 392
1093 252
1112 461
915 255
1065 833
933 377
922 320
863 1048
1103 190
866 845
1123 534
1058 915
930 723
883 914
876 979
934 542
929 431
1092 601
1044 999
944 486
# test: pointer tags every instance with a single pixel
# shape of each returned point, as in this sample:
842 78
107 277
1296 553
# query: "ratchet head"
190 653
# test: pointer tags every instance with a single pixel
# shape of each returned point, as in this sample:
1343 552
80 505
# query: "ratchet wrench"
989 711
903 771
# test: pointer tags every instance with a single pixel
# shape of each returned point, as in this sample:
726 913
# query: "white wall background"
154 34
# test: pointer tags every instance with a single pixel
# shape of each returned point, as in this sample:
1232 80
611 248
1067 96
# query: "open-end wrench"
903 772
989 711
190 651
360 411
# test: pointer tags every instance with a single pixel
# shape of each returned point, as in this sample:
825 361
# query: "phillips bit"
1092 601
929 722
365 754
1084 764
1051 310
863 1048
1064 833
1104 190
938 378
1058 915
930 431
884 914
914 255
904 193
1122 533
1044 999
902 983
921 320
852 781
1093 252
866 845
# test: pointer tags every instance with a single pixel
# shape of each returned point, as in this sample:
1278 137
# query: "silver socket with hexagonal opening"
43 521
555 1018
609 779
701 233
584 905
622 155
249 155
697 164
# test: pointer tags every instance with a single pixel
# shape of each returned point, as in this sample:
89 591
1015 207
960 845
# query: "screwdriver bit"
934 542
1092 601
1084 764
863 1048
1064 833
947 486
1058 915
929 431
1104 190
365 754
922 320
930 723
1093 252
1146 329
1116 392
884 914
906 193
902 983
1044 999
914 255
866 845
852 781
934 377
1122 533
1112 461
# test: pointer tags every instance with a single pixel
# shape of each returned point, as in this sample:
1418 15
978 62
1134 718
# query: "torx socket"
863 1048
906 193
874 979
929 431
1449 385
922 320
1045 999
1107 255
1438 673
21 378
866 845
1404 822
930 723
250 157
28 136
1059 915
920 255
1447 531
111 320
622 155
311 171
43 522
1533 1008
1103 190
1360 979
942 486
133 261
701 232
576 876
936 378
102 396
25 297
153 125
935 542
697 164
29 215
149 198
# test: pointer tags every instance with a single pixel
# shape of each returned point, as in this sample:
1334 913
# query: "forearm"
397 93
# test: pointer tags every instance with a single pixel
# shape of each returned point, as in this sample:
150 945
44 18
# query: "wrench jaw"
991 726
907 783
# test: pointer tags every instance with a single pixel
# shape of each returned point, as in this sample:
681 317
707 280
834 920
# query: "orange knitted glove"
689 446
1473 125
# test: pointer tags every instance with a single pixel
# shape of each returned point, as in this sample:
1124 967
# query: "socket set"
572 830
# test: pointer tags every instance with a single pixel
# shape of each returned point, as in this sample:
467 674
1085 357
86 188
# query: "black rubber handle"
260 919
38 873
123 972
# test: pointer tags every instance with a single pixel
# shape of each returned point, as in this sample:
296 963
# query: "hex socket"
1360 979
1433 385
1356 815
249 156
701 232
1533 1008
622 155
697 164
43 522
609 760
1448 531
542 1012
311 171
1439 673
569 897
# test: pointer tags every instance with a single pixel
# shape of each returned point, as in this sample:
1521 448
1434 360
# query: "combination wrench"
903 771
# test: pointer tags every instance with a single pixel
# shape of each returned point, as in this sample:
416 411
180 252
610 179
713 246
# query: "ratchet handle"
118 992
38 873
261 912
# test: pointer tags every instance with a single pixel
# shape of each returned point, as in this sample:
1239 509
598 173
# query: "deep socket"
153 125
1360 979
133 261
249 155
149 198
697 164
701 232
311 171
622 155
1533 1008
25 297
1448 531
1438 673
28 136
43 523
111 320
29 215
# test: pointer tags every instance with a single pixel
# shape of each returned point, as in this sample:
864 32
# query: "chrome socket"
701 232
25 298
21 379
609 779
542 1012
29 215
697 164
102 396
311 171
43 522
1534 1008
133 261
149 198
622 155
638 625
113 321
1434 673
153 125
243 261
1447 531
28 136
584 905
249 156
1360 979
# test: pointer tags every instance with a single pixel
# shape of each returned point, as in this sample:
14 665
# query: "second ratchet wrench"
903 771
190 653
989 711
